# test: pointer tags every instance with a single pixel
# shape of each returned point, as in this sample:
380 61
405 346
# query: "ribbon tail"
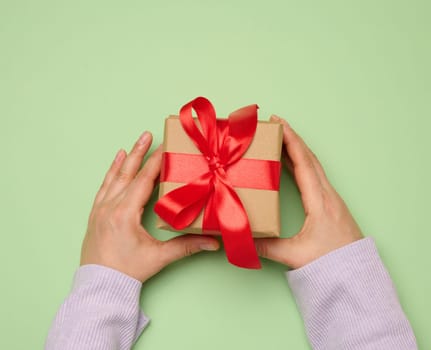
210 224
180 207
235 227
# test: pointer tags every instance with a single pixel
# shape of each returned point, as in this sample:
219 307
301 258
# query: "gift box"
226 174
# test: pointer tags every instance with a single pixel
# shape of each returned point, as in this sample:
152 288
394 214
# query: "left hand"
328 224
115 237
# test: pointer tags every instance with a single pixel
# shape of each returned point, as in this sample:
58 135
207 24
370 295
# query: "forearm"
101 312
348 301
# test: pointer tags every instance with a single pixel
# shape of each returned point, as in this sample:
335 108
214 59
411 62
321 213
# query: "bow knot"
214 163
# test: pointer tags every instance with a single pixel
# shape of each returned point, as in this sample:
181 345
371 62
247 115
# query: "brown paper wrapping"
262 206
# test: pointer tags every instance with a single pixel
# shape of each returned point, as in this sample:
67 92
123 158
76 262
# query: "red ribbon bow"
212 190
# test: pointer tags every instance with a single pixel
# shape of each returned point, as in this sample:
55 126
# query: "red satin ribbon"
246 173
212 188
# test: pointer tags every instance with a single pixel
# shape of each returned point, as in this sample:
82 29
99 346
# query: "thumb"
276 249
185 245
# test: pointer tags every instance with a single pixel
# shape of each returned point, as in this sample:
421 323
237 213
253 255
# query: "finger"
276 249
113 170
142 187
319 168
316 163
304 171
287 161
185 245
131 165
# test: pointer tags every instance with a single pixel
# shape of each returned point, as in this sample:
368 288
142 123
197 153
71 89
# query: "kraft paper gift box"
262 206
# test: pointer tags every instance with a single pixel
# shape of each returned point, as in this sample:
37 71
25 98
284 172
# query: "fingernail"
209 246
119 156
275 118
144 138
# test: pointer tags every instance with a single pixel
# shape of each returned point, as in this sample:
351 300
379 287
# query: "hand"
115 237
328 223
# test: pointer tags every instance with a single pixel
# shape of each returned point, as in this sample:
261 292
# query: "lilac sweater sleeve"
101 312
346 298
348 301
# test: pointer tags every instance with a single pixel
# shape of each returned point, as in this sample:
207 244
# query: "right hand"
115 236
328 223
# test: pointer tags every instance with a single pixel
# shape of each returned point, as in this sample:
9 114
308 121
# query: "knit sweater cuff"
327 270
348 301
111 287
115 283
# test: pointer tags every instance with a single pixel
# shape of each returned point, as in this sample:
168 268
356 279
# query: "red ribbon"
213 190
246 173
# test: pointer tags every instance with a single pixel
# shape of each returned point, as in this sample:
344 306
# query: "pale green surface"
80 79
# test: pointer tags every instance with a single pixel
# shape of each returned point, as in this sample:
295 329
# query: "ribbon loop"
207 142
212 190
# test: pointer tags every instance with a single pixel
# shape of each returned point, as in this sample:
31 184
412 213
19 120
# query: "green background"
81 79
